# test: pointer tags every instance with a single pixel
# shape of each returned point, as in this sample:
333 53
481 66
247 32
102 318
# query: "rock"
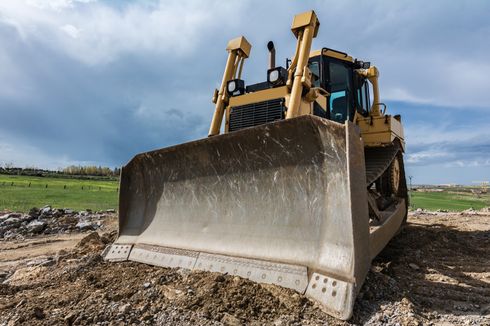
3 275
12 221
68 211
5 228
414 266
6 216
84 226
39 313
10 235
36 226
62 252
45 210
41 262
184 272
34 212
78 320
278 322
485 310
70 318
231 320
124 309
111 210
48 262
68 220
27 218
146 285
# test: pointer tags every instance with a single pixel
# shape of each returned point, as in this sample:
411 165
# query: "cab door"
339 84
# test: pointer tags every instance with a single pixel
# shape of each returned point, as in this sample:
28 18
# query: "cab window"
339 86
363 96
314 67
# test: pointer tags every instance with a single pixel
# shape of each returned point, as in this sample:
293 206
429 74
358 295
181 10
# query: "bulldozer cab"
348 91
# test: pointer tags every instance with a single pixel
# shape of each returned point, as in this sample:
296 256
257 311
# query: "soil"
435 272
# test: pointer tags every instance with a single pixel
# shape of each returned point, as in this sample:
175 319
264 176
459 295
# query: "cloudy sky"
95 82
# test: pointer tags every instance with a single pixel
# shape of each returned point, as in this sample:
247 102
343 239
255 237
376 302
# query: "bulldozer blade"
282 203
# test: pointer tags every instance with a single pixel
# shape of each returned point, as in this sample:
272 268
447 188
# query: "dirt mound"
436 271
94 291
93 242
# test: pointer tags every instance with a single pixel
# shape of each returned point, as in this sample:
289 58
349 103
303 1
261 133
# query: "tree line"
91 170
75 171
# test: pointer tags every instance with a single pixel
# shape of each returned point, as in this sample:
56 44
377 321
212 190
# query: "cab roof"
332 53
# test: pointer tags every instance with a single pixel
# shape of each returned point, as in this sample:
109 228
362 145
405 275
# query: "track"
378 159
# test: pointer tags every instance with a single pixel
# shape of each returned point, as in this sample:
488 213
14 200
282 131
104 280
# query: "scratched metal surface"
280 192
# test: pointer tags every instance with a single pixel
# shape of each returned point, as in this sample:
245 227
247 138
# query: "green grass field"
101 195
17 195
448 200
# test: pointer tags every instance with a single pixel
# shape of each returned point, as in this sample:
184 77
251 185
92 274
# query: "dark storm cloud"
88 81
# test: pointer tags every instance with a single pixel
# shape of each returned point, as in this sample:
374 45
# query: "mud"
435 272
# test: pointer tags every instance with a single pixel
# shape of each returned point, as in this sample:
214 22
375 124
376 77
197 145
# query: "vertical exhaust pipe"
272 54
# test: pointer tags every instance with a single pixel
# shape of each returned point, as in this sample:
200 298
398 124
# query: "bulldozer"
302 186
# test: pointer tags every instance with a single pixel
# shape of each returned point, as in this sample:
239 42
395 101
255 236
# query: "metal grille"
255 114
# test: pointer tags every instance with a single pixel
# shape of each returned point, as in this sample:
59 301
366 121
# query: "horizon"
474 184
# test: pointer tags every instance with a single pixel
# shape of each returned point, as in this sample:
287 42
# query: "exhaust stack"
272 54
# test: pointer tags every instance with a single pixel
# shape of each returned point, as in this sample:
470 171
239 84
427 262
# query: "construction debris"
48 220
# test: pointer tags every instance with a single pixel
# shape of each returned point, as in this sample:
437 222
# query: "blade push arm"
305 28
238 50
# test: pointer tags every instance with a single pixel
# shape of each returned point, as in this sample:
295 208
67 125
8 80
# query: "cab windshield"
335 76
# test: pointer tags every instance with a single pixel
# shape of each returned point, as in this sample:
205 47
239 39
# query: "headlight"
277 76
231 86
273 76
235 87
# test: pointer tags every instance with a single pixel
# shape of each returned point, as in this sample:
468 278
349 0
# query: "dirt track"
437 271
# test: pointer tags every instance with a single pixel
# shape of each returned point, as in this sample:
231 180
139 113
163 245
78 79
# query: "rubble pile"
48 220
442 212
